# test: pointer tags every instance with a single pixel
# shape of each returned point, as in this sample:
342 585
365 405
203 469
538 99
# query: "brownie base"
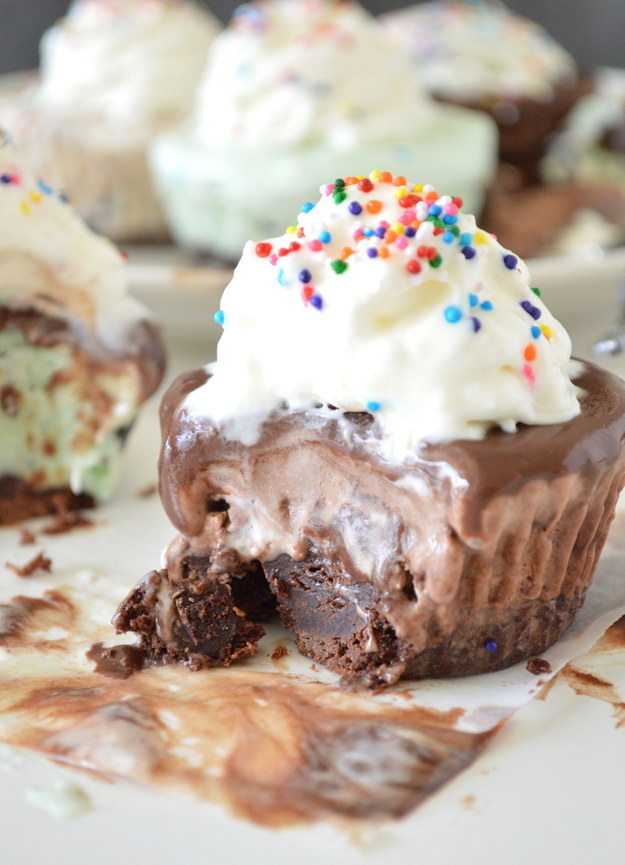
200 620
20 501
342 626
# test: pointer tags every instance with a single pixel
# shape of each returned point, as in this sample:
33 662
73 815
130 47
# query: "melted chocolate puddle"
274 748
588 683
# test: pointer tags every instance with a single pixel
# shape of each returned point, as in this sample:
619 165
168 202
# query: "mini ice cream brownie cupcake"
114 73
291 87
394 442
78 356
481 55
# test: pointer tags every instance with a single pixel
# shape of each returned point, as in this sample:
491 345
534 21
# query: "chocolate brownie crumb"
40 562
10 399
117 662
66 521
147 492
538 666
279 652
26 536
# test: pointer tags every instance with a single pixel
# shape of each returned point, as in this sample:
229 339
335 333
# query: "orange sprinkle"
431 195
383 252
351 181
385 177
346 252
530 352
400 180
390 237
373 206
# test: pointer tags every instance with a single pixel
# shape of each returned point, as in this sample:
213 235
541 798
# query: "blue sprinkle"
5 178
530 309
368 232
372 252
355 208
380 232
491 646
373 405
468 252
450 219
510 261
536 331
453 314
473 300
43 186
219 317
306 208
317 301
304 276
448 237
325 236
476 324
466 238
410 231
435 210
282 278
486 304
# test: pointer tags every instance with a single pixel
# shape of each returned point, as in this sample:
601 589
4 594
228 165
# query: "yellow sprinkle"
291 229
35 196
25 206
360 176
418 187
547 331
398 227
480 238
401 192
375 175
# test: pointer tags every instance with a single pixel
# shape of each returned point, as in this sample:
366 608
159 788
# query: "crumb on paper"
279 652
26 536
66 521
63 801
147 492
40 562
538 666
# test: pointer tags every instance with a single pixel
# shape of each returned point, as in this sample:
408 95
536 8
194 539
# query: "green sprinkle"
339 266
536 291
436 262
339 195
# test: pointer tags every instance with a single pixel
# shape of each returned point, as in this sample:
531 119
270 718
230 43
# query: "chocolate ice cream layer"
474 556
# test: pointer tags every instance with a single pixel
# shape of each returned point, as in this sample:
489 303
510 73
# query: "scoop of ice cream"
130 61
386 298
479 50
290 72
51 261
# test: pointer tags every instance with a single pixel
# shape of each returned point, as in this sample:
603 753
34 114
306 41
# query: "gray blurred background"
593 31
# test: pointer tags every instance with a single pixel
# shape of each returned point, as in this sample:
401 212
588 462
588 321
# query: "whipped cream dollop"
386 298
51 261
129 61
479 50
292 72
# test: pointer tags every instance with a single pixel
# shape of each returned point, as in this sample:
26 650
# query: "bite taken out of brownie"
410 469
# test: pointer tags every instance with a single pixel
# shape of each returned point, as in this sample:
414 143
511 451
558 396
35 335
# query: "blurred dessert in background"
114 73
78 356
291 87
483 56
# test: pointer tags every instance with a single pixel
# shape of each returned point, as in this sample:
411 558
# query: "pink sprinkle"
401 242
329 189
451 209
273 258
407 217
529 373
315 245
15 178
358 234
384 224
